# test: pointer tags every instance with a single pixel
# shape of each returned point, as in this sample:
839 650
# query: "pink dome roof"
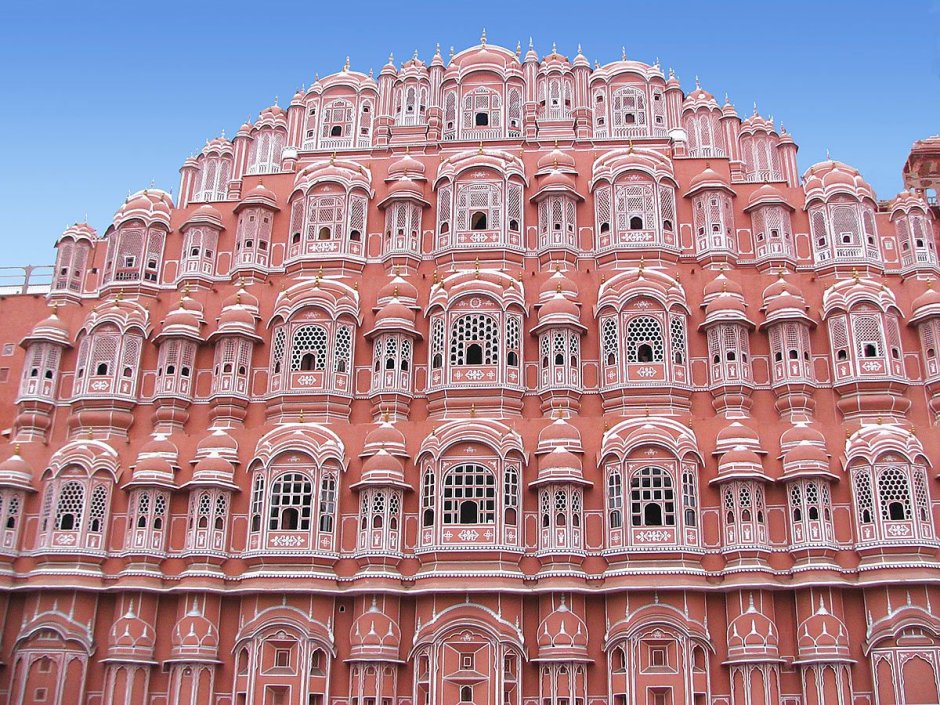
383 468
259 195
79 232
152 206
398 288
384 437
802 433
737 434
484 56
374 636
131 637
50 329
708 179
194 636
752 635
407 166
766 195
16 472
822 636
558 308
926 305
562 635
827 178
557 160
214 470
722 285
559 434
219 441
183 321
558 283
395 315
560 465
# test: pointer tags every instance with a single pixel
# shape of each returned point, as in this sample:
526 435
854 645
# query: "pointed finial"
480 151
370 72
518 49
623 53
755 107
437 49
452 53
346 65
473 411
828 158
333 158
530 42
275 101
698 84
579 48
483 38
414 56
554 49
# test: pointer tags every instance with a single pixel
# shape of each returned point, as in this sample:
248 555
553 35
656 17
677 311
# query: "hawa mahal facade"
499 380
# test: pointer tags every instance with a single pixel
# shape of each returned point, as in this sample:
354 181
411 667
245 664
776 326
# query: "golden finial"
480 150
483 38
395 292
16 449
332 158
558 288
435 278
642 265
386 416
855 275
473 411
120 295
930 284
185 290
630 147
55 309
356 285
476 267
90 435
647 412
520 275
301 416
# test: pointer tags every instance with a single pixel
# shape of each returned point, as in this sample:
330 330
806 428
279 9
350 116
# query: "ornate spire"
483 38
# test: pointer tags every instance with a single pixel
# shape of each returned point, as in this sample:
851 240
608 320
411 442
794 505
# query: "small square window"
39 695
657 656
8 349
282 658
466 662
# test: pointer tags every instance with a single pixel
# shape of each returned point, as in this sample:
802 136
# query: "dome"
152 206
559 434
78 232
740 462
925 306
559 309
407 166
382 469
131 637
394 316
184 321
259 195
204 215
398 288
752 635
726 307
50 330
557 160
822 636
562 635
708 179
219 441
239 315
558 283
214 470
827 178
802 432
484 56
766 195
905 201
374 636
737 434
722 285
194 637
15 472
560 465
384 437
806 459
156 463
699 98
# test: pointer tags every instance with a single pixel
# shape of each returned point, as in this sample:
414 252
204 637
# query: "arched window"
291 502
327 502
644 340
309 348
629 116
474 340
894 495
469 495
428 498
652 499
615 499
70 507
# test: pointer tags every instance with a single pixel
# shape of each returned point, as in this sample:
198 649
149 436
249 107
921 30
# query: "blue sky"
104 98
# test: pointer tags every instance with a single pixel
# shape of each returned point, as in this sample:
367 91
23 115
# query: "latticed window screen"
337 114
291 501
342 359
677 338
266 148
327 501
510 492
635 208
308 348
428 497
921 494
689 497
894 494
278 349
474 330
476 198
615 499
70 507
358 206
644 340
602 209
98 508
652 498
469 495
482 102
325 216
864 499
513 340
629 108
609 340
869 340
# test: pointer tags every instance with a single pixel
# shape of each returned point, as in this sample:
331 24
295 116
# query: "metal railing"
32 279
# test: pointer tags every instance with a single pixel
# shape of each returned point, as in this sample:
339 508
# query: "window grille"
343 357
308 348
291 501
477 330
652 498
644 340
677 338
609 341
615 499
469 495
894 494
70 507
327 502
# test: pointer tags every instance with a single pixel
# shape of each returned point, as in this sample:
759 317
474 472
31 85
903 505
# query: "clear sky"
101 98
